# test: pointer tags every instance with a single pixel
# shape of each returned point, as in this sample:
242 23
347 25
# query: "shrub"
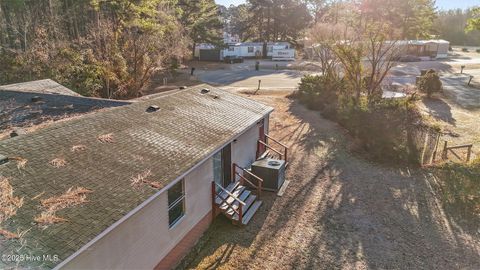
478 50
386 129
430 83
383 129
461 187
464 50
317 92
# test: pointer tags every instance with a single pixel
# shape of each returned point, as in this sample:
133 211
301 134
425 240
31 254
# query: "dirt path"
339 212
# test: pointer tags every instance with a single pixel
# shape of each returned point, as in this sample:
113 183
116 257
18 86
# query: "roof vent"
36 98
17 132
205 90
153 108
3 159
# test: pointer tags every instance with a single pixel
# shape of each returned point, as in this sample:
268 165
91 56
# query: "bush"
430 83
383 129
478 50
317 92
464 50
461 187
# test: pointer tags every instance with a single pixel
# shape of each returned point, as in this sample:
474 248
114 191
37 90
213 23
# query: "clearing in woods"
339 211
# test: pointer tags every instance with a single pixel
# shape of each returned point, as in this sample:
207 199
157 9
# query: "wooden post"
286 152
234 171
444 153
469 153
259 189
214 206
240 214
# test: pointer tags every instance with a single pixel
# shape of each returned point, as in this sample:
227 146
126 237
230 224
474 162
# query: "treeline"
107 48
270 20
452 25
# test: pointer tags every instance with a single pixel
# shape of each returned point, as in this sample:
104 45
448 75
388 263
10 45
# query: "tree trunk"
194 46
8 21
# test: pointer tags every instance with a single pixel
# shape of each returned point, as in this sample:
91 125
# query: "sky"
442 4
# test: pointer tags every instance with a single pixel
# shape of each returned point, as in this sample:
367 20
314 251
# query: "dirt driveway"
339 212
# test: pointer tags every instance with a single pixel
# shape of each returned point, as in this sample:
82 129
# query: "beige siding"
144 239
245 148
141 241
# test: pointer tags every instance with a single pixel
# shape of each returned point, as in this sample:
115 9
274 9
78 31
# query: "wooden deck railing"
285 148
243 179
216 195
451 149
283 155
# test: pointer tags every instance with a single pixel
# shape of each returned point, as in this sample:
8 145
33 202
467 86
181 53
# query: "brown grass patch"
79 148
106 138
21 162
143 178
70 198
58 162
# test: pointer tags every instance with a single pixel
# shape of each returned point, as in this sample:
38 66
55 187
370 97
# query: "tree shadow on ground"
340 211
439 109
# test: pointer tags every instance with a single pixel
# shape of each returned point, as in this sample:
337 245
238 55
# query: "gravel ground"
339 212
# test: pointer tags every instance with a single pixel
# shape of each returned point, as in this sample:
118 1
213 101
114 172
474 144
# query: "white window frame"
250 49
171 206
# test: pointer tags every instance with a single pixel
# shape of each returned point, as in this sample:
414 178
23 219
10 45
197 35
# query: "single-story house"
425 49
275 51
131 187
278 50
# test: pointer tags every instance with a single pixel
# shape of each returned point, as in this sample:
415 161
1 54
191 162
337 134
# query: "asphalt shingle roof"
46 86
188 127
18 110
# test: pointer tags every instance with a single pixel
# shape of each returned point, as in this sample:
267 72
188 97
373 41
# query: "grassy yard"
339 212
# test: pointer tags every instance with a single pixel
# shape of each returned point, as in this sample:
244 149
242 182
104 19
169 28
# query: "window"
231 49
250 49
176 203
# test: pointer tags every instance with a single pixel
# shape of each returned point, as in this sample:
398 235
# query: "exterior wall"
185 245
145 241
244 150
141 241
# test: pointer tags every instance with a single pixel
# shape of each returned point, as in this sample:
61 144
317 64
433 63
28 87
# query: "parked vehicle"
409 58
230 59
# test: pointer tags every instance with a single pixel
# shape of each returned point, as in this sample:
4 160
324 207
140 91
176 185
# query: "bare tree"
361 55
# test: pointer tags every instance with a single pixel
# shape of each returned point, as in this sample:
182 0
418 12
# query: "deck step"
249 214
237 192
235 203
248 202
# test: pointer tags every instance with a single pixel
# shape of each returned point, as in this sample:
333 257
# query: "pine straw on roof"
142 178
58 162
79 148
72 197
9 205
106 138
21 162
